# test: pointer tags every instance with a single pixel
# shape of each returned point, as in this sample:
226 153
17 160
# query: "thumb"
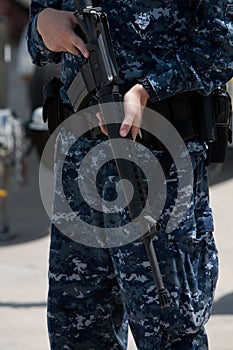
132 120
128 120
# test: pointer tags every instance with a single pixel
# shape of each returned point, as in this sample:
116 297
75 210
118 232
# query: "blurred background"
24 225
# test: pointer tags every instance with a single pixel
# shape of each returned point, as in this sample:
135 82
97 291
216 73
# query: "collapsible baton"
99 75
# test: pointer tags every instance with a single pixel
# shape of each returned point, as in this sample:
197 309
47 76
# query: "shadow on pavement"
224 305
24 305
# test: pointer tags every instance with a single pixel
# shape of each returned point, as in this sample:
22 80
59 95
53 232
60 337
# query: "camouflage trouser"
95 293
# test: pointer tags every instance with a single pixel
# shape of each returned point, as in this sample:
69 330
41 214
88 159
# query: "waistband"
183 111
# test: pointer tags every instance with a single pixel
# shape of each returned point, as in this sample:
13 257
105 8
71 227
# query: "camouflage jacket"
177 45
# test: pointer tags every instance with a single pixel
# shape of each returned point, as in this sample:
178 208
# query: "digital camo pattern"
72 210
177 45
94 293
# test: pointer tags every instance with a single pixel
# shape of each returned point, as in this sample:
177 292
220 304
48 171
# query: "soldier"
164 49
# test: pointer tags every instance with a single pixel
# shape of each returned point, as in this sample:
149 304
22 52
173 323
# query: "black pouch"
181 111
52 104
217 150
204 116
208 118
178 110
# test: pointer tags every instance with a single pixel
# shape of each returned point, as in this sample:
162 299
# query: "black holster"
54 111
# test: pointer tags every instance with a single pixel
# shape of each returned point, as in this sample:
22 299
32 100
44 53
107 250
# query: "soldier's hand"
57 31
134 102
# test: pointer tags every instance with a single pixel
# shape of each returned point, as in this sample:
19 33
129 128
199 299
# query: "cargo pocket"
192 272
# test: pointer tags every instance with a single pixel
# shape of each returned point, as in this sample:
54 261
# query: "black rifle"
99 75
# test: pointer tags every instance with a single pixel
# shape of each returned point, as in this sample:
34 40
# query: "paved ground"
23 264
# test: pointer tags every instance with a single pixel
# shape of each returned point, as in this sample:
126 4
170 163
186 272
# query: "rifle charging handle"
81 4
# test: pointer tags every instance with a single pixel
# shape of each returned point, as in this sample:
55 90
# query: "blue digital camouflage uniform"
95 293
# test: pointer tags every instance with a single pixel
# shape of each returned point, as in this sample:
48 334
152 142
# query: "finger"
79 44
130 122
134 132
72 49
74 19
101 123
